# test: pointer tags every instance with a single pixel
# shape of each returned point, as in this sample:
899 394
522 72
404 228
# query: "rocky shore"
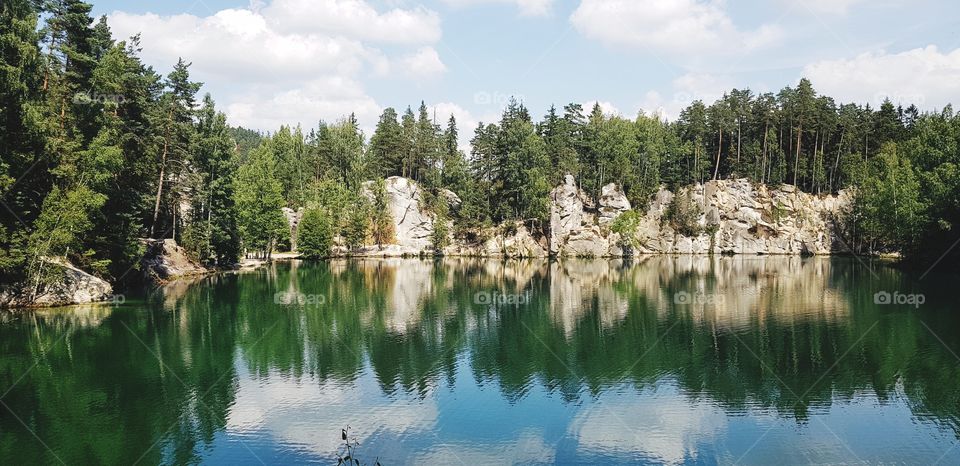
730 217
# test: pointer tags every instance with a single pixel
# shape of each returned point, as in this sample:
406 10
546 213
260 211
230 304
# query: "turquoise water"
744 360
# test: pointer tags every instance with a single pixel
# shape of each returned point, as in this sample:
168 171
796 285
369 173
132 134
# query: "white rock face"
293 222
165 260
736 217
413 226
579 229
747 220
72 286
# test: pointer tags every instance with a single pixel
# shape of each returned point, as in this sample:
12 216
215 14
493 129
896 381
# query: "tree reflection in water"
792 336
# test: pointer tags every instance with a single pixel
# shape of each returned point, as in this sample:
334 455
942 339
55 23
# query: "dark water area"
695 360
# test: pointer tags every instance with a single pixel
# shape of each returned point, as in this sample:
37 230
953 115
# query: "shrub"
626 226
315 235
683 215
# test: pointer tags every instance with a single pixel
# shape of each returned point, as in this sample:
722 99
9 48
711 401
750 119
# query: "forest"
100 151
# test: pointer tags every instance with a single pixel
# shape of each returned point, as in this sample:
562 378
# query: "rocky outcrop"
66 285
509 241
729 217
413 225
738 217
293 223
164 260
581 229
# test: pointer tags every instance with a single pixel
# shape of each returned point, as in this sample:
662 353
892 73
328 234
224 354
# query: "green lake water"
696 360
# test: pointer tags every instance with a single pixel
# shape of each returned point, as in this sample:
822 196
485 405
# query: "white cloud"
834 7
354 18
674 26
290 61
424 63
327 98
466 121
527 7
664 426
701 86
685 89
237 44
291 411
924 76
608 108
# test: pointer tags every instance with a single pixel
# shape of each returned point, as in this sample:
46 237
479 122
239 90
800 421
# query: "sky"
274 62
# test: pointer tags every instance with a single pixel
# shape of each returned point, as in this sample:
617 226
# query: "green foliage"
100 151
683 214
627 225
314 235
441 233
356 223
382 229
258 200
889 204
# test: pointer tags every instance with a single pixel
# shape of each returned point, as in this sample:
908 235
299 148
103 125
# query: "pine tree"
175 117
259 198
387 146
314 235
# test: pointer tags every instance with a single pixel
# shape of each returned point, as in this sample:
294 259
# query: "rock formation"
68 285
164 260
293 222
733 217
413 225
740 218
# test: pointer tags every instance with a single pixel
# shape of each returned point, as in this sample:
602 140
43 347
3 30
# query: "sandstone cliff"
731 217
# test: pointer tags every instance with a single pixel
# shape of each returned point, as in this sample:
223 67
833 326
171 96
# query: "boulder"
613 202
69 285
164 260
453 201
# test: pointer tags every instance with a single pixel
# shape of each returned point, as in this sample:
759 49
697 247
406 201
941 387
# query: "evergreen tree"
314 235
176 119
387 146
259 198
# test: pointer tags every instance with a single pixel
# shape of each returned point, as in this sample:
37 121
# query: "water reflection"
600 361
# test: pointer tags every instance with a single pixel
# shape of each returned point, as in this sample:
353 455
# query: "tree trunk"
836 162
716 170
796 156
763 163
163 166
739 124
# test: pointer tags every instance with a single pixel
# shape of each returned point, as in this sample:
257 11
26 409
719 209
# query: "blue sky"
296 61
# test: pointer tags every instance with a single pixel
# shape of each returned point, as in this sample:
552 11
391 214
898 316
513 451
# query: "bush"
441 232
683 215
315 235
626 225
382 229
357 224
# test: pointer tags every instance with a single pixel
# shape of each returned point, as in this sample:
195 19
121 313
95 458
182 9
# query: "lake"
697 360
